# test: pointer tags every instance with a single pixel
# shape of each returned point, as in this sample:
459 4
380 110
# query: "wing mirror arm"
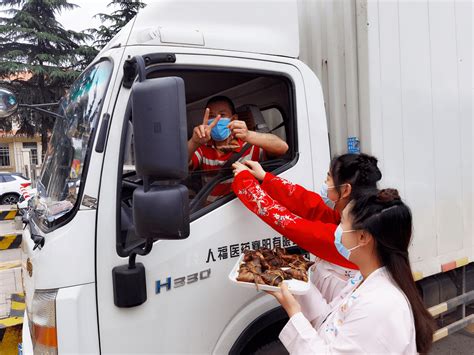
38 108
139 251
9 105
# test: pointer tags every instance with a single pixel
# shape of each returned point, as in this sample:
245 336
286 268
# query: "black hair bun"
388 195
368 167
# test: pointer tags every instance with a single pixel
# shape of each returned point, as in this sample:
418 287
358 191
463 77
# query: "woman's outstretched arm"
314 236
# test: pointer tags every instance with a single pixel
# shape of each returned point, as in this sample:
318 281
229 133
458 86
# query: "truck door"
191 303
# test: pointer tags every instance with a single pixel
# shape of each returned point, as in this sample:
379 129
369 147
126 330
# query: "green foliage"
34 43
114 22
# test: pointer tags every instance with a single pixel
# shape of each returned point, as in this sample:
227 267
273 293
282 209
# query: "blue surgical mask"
324 195
220 132
346 253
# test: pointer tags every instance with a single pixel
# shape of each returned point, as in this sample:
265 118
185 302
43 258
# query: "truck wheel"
273 348
9 199
261 336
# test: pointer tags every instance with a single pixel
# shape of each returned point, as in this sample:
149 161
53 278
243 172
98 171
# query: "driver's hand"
202 133
239 130
255 169
238 168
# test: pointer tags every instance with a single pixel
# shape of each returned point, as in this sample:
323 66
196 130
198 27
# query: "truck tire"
9 199
273 348
261 336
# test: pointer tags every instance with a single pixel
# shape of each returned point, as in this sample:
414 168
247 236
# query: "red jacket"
298 214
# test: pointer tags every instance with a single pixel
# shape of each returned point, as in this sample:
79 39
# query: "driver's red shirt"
207 158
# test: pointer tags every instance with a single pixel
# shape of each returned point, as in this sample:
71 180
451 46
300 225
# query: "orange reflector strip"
462 262
448 266
438 309
440 334
46 336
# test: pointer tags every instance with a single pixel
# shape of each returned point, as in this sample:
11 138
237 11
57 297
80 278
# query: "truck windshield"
63 169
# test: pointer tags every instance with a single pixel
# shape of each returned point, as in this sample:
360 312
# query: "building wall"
16 150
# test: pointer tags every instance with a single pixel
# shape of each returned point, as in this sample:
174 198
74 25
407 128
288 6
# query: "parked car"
10 185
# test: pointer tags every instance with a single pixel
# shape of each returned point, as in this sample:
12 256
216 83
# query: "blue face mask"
220 132
346 253
324 195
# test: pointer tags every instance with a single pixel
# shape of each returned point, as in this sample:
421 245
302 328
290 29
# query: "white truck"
115 182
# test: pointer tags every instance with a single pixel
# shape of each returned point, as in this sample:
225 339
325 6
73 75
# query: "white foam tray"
296 287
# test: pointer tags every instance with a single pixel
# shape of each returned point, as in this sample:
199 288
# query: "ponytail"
389 221
399 268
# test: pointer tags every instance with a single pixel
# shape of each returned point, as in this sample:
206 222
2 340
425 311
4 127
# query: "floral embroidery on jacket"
283 220
266 206
356 279
349 274
291 186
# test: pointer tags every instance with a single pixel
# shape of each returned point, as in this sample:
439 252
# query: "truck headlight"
42 321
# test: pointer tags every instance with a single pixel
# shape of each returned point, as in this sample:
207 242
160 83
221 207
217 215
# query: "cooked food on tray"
270 267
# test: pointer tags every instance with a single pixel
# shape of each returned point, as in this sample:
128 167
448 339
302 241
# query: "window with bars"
33 147
4 155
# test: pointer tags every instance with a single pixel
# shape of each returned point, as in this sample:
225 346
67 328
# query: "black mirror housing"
161 205
160 128
162 212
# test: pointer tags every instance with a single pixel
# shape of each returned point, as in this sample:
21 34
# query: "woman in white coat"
380 310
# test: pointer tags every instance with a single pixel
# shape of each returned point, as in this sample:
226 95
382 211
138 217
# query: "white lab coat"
330 279
375 318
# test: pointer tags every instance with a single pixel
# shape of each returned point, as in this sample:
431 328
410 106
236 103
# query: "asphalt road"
455 344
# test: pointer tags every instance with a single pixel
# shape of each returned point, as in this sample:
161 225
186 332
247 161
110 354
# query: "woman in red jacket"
303 217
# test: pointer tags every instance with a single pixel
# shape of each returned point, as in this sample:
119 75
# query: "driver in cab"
221 135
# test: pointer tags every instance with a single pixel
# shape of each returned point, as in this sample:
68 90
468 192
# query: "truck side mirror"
162 212
8 103
161 205
160 128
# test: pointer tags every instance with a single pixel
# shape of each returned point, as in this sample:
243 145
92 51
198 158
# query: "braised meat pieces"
264 266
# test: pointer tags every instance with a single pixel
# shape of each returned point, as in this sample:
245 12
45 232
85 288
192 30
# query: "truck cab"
87 226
